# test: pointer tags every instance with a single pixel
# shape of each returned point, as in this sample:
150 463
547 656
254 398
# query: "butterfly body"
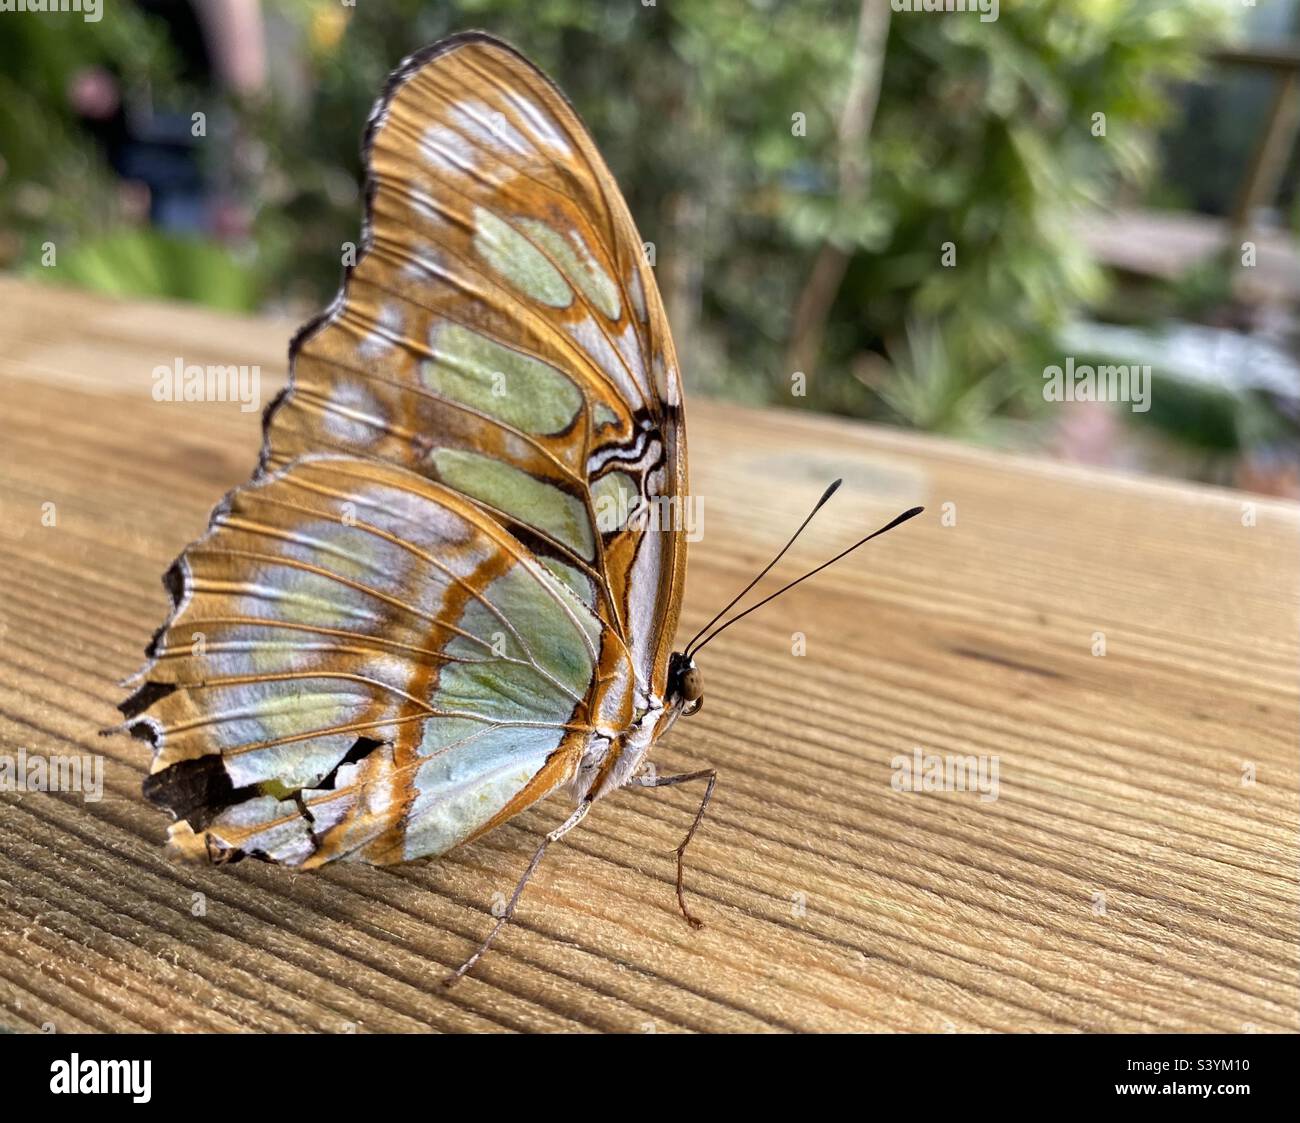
448 591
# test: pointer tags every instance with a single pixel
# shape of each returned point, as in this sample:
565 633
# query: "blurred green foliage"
53 185
56 189
984 138
145 263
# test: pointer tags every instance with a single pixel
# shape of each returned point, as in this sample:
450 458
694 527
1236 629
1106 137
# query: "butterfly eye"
692 685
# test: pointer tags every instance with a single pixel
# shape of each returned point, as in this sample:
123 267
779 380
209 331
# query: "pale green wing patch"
512 256
614 498
574 579
578 264
520 692
499 381
524 498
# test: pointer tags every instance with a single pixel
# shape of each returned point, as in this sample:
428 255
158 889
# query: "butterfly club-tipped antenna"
686 651
697 643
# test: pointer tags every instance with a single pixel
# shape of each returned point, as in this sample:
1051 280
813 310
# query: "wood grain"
1127 877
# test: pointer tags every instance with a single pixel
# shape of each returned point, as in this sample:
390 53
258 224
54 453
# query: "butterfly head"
685 683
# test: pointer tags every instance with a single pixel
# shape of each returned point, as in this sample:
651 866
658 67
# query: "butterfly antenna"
813 572
731 604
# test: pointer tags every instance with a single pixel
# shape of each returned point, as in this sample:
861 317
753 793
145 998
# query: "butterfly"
452 585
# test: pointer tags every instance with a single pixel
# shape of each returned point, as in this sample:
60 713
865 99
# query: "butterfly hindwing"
363 663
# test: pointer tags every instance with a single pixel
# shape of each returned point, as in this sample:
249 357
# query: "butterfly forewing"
442 588
502 332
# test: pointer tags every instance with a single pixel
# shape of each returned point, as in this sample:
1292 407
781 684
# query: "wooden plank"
832 901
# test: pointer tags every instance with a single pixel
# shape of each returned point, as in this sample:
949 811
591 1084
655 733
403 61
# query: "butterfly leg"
554 836
711 775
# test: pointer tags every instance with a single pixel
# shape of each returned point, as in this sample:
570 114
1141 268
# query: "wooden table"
1136 872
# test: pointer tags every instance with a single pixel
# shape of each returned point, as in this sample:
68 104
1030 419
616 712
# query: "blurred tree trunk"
823 284
682 274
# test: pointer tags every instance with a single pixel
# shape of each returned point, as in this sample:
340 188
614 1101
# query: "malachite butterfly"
440 598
